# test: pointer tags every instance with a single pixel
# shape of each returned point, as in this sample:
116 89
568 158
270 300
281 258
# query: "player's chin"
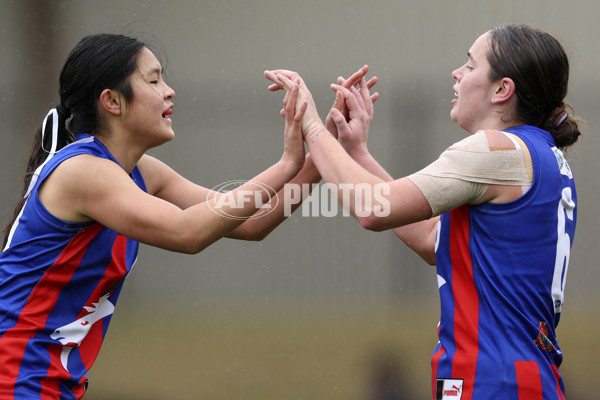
170 136
453 115
165 138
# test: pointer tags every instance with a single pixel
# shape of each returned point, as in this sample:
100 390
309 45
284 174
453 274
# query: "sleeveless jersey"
59 283
501 276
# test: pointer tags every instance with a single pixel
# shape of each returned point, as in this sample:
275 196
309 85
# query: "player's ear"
503 90
110 101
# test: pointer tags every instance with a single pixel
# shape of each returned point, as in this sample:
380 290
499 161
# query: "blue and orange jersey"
59 283
501 274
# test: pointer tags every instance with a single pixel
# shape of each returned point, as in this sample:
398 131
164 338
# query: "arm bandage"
462 173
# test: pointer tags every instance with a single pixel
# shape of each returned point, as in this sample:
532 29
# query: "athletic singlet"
59 283
501 275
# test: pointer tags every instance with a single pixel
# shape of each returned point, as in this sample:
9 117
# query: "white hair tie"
51 153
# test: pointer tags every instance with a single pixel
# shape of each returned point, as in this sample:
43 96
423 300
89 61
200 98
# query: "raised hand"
353 126
339 102
293 141
287 80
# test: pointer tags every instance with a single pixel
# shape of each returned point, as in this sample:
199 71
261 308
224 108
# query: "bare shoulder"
82 170
80 180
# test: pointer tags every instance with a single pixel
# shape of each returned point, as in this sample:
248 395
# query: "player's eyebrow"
155 70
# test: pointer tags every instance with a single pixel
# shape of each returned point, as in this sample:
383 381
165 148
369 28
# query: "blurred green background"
321 309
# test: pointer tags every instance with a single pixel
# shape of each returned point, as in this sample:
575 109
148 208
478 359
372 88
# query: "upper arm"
418 228
410 217
485 167
163 182
420 237
446 184
85 187
400 203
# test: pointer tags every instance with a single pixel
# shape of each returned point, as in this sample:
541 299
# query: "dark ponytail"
97 62
539 67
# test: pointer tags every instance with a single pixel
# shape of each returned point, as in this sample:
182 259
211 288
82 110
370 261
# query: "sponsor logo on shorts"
449 389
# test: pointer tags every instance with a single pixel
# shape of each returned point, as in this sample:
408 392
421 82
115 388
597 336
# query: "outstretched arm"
85 188
277 209
402 201
353 131
259 228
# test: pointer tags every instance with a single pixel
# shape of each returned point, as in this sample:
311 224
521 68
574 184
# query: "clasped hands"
350 115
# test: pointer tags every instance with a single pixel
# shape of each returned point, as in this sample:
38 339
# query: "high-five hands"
293 141
353 121
288 80
340 100
351 112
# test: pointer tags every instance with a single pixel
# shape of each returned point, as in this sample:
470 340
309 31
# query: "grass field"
291 354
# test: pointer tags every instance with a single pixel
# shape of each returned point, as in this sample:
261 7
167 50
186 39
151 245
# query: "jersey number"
566 205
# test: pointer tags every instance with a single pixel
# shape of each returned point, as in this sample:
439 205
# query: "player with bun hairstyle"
496 213
540 91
